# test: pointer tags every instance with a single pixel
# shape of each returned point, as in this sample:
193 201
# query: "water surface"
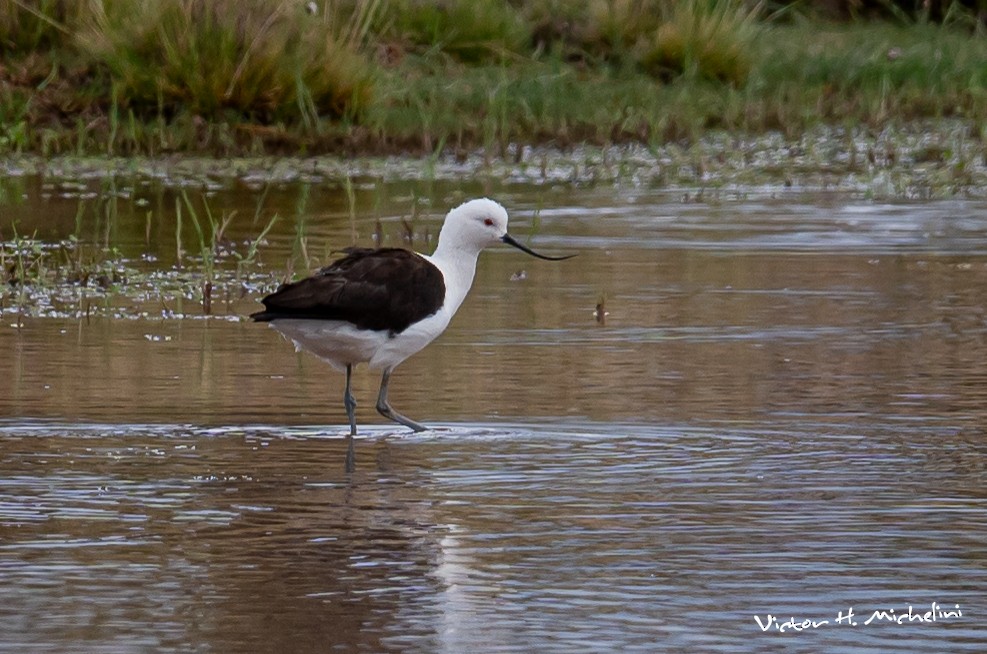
782 413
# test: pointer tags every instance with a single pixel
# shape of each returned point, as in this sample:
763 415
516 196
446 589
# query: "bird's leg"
348 401
350 405
384 408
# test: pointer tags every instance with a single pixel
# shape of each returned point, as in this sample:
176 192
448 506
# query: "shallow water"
783 413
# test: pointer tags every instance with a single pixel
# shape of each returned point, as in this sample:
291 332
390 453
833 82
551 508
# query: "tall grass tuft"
591 30
264 59
704 39
472 31
27 25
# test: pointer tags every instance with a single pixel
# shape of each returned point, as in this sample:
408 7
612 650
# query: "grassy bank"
282 76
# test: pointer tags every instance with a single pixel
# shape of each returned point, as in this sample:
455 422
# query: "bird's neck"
458 265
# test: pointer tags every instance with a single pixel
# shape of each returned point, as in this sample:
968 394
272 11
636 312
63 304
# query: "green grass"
706 39
30 25
264 60
224 77
868 73
467 30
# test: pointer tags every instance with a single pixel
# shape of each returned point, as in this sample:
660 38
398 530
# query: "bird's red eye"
488 222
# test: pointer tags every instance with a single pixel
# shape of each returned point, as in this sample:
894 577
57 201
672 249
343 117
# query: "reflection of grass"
225 77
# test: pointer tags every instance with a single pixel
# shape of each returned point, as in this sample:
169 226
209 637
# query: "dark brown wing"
386 290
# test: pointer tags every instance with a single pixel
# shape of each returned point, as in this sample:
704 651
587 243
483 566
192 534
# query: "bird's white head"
476 224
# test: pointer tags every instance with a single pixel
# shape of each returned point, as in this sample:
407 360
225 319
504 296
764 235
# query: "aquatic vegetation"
183 251
845 157
44 278
88 272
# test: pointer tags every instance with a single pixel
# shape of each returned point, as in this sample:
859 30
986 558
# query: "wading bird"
380 306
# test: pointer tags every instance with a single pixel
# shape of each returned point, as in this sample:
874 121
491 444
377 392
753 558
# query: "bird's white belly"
339 343
395 350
